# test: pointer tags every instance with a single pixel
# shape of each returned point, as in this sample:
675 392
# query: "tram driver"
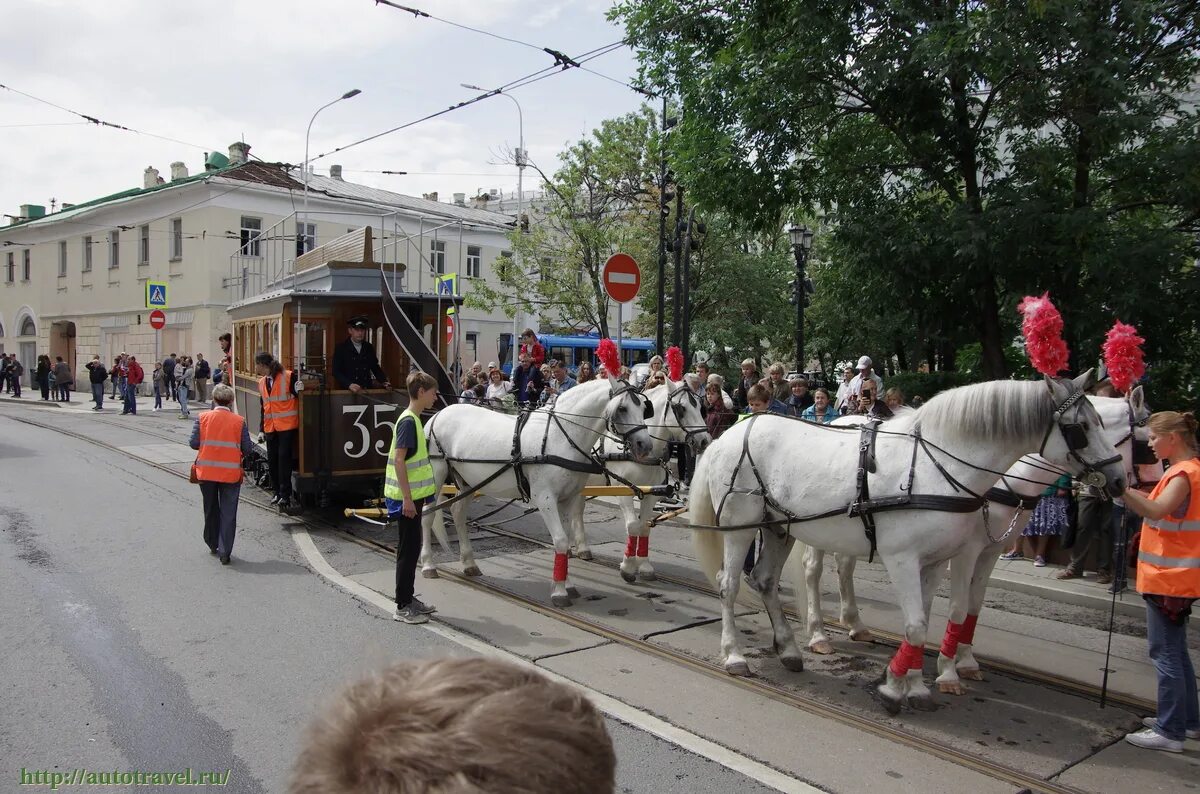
355 365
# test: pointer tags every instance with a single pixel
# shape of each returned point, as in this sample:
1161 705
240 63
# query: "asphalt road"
126 646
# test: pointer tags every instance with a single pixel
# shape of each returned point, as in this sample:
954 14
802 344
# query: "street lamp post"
520 207
307 132
801 237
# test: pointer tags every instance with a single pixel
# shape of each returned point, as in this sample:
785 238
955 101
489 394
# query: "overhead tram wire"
520 82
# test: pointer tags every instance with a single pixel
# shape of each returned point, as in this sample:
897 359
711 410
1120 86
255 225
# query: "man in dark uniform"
355 365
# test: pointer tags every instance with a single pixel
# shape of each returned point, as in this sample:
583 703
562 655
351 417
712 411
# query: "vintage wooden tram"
344 437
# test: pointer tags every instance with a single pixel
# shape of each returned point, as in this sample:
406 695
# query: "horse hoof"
792 663
472 570
970 674
573 592
921 702
822 647
586 555
737 668
629 577
862 635
429 573
951 688
560 601
891 705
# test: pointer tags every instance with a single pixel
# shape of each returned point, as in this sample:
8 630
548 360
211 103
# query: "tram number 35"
357 447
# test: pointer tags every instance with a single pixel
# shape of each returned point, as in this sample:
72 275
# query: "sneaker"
1011 555
275 499
409 614
1104 577
1069 573
1152 722
1039 562
421 606
1151 739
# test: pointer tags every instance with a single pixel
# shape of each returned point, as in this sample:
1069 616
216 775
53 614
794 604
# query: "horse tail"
797 566
709 543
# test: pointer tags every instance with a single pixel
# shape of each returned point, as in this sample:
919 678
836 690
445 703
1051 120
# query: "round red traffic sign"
158 319
622 278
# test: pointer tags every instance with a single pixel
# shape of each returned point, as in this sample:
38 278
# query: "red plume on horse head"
1123 356
606 351
1042 328
674 363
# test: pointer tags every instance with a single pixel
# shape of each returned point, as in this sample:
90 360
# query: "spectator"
719 416
1049 519
820 411
117 374
656 366
42 375
774 406
760 401
168 368
184 378
917 401
457 725
865 374
584 373
741 399
16 371
160 387
841 401
531 346
623 374
498 388
780 388
467 385
527 381
96 374
477 372
560 381
655 379
221 439
5 364
714 378
869 405
203 373
224 373
1169 579
134 374
894 398
703 370
799 399
63 379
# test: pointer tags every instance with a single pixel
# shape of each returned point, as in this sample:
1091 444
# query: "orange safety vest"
281 408
1169 554
220 455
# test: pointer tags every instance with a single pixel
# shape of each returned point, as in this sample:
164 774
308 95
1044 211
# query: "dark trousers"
408 550
220 514
1095 530
16 384
44 385
281 448
130 398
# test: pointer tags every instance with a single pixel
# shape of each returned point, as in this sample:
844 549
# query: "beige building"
73 283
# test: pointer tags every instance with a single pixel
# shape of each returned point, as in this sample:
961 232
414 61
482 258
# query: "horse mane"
999 410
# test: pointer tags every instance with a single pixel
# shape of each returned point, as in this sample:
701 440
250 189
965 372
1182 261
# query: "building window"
114 249
62 259
144 245
27 327
306 238
10 272
474 261
437 256
251 245
87 254
176 239
25 264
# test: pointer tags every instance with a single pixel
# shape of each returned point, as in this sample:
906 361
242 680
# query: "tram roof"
336 282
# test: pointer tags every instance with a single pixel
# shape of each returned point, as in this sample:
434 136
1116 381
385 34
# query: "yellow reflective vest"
418 467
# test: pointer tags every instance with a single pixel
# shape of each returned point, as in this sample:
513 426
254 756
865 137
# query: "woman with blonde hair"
1168 577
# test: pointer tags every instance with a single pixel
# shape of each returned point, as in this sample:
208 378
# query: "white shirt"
496 391
843 394
856 384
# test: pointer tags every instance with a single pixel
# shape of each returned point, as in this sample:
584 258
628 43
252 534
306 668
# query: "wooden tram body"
344 437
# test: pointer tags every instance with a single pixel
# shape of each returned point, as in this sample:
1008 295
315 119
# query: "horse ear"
1086 381
1137 400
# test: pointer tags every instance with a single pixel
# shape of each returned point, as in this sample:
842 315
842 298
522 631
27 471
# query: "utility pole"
664 199
801 238
677 248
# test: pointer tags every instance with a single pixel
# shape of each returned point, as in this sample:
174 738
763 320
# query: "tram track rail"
996 770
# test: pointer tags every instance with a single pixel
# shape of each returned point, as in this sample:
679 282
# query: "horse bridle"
678 410
647 411
1076 439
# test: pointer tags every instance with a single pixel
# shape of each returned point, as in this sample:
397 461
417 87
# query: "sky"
207 74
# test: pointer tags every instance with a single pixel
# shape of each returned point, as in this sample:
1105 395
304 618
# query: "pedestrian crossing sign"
448 285
156 294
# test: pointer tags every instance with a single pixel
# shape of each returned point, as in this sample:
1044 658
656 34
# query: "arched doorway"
62 343
27 345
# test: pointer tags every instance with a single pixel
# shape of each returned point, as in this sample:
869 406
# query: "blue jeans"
157 396
182 395
130 392
98 394
1178 708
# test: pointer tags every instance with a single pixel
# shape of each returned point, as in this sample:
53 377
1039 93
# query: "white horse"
678 419
474 443
1123 420
752 477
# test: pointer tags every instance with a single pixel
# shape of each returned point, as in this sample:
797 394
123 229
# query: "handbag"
192 476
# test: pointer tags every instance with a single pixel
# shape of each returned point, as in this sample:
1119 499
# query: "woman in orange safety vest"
220 438
1168 577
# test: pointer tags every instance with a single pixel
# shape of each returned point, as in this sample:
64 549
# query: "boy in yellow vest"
407 485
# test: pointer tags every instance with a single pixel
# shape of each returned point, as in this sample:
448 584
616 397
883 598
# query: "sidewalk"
82 401
1020 576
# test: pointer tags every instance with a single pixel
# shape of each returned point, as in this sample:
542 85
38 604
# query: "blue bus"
575 349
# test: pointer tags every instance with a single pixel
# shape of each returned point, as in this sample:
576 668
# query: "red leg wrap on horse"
643 546
950 641
967 637
916 657
901 661
560 567
631 546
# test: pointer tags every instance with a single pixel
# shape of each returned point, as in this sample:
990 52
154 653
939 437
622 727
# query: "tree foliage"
964 154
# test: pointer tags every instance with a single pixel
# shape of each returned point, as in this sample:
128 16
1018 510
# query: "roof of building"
340 189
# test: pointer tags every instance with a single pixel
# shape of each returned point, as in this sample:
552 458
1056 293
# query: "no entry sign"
622 278
158 319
